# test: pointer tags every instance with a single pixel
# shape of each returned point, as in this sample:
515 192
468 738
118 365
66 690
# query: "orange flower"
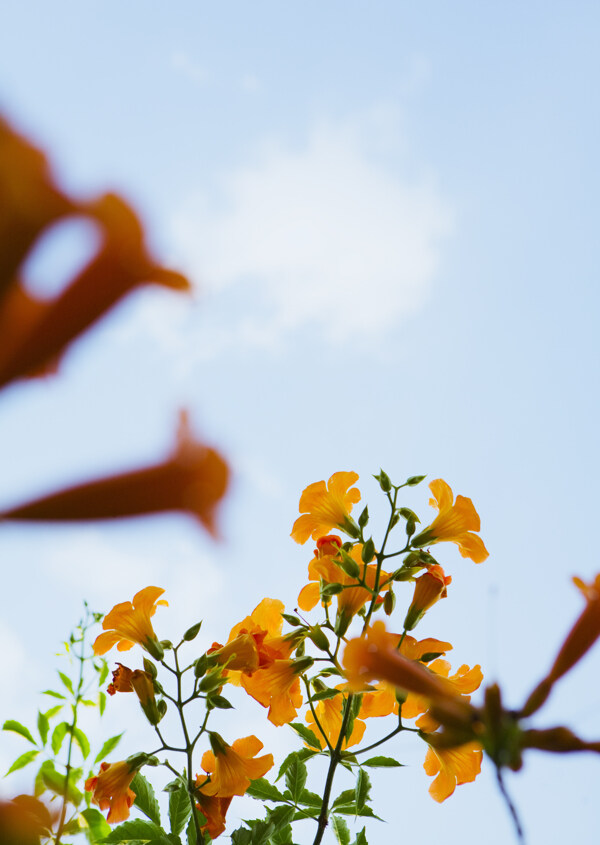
465 680
214 810
453 766
263 627
455 523
324 567
278 688
429 588
111 790
129 623
46 328
121 680
240 654
374 657
24 820
326 506
232 767
579 640
193 479
330 713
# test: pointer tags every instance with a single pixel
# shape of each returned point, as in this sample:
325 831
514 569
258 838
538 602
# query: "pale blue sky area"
390 212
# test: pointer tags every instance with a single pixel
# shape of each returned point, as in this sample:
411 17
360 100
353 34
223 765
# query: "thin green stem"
333 762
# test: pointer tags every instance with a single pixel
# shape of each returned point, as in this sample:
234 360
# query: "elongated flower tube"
455 523
47 327
429 589
129 623
193 479
326 506
111 790
232 767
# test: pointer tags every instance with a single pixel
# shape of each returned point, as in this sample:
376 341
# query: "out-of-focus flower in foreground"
326 506
111 790
232 767
429 589
23 820
455 523
129 623
194 479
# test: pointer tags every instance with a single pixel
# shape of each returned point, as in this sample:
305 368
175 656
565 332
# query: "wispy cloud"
332 233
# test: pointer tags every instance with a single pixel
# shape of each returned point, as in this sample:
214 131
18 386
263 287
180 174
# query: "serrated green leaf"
322 695
306 734
340 828
43 726
23 760
382 762
98 827
362 789
145 798
67 682
303 754
345 797
281 816
58 735
295 778
361 838
108 746
18 728
282 836
180 809
262 790
54 694
310 799
352 810
82 741
135 831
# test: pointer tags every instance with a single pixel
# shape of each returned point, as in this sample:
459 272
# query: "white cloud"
333 233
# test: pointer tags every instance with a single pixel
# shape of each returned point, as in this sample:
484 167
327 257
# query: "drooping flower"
214 810
193 479
374 657
263 627
453 767
463 682
455 523
326 506
121 680
240 654
429 589
330 713
129 623
579 640
277 687
232 767
111 790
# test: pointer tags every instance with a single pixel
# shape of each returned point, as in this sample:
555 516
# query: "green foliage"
180 809
145 798
17 727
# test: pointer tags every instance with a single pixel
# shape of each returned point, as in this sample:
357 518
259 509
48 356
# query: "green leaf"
43 726
361 838
145 798
362 789
50 714
191 828
281 816
262 790
23 760
98 827
57 783
102 702
219 701
306 734
352 810
381 762
180 809
310 799
102 673
67 682
340 828
325 693
345 797
82 741
54 694
192 632
18 728
135 831
303 754
58 735
295 778
87 702
108 746
355 703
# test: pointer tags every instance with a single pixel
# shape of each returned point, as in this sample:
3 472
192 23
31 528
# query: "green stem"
189 748
335 758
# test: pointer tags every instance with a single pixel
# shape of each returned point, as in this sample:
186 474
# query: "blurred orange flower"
193 479
326 506
232 767
110 789
129 623
455 523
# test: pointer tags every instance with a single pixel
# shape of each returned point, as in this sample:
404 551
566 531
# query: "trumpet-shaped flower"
232 767
326 506
455 523
129 623
278 687
329 712
453 767
214 810
429 589
111 791
464 681
193 479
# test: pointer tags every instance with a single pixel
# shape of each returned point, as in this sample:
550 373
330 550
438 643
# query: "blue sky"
389 212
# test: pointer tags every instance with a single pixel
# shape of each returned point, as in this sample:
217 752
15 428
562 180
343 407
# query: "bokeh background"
389 211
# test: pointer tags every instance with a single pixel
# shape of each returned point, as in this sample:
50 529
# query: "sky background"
389 212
